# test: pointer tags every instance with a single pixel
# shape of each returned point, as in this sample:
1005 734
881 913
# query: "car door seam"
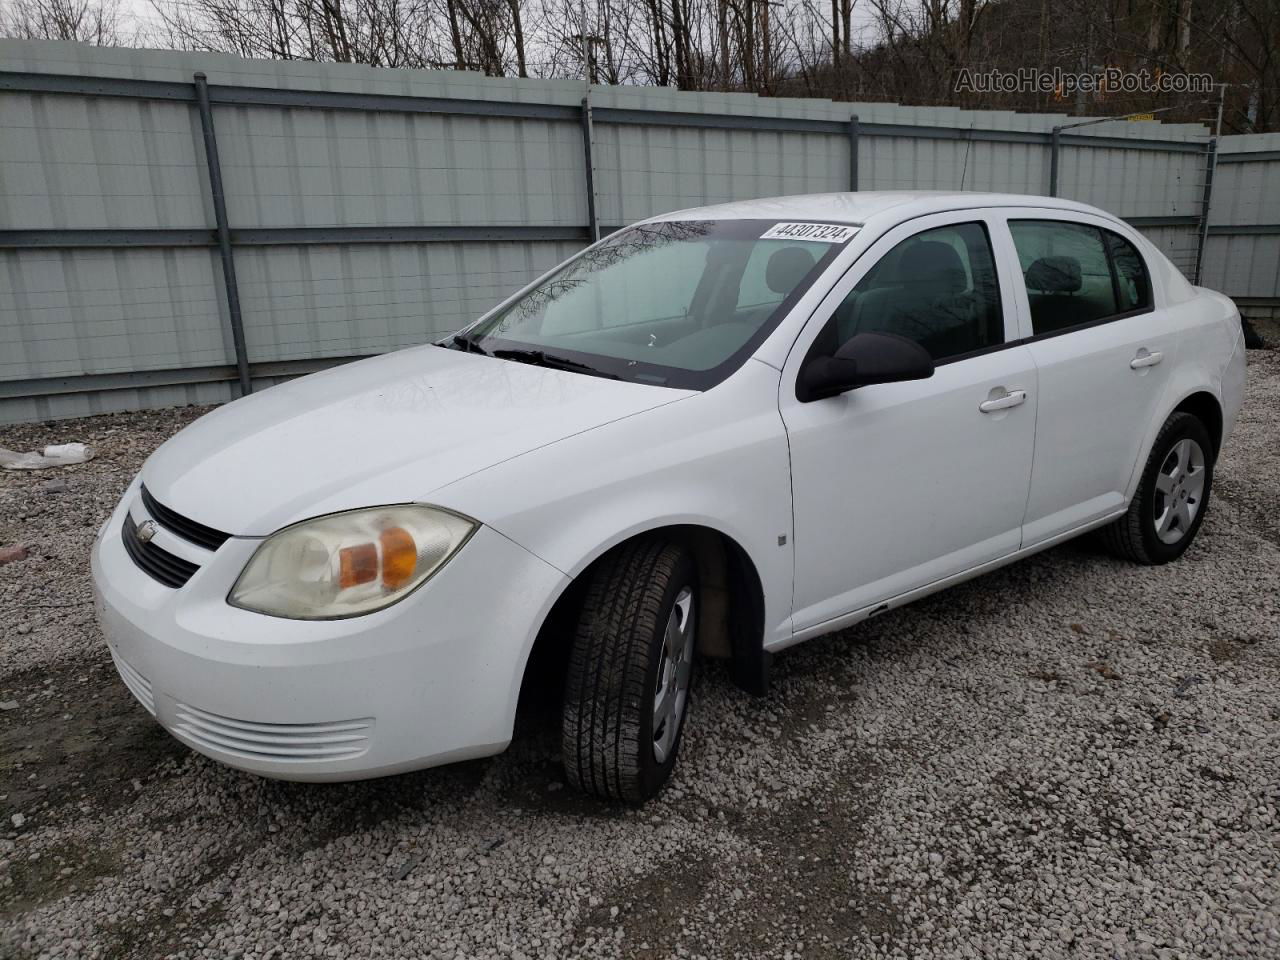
1035 449
791 489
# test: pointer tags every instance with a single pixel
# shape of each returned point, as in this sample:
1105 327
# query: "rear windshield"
677 303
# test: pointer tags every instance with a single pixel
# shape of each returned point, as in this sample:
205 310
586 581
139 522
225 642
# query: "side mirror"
864 359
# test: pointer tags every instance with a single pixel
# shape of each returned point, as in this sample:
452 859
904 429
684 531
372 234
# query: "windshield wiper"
466 344
540 358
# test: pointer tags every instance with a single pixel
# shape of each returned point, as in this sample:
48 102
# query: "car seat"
924 299
787 266
1055 282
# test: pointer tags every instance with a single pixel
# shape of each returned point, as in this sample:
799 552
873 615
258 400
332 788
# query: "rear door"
898 485
1103 352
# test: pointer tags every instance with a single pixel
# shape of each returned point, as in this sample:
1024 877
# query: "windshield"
677 303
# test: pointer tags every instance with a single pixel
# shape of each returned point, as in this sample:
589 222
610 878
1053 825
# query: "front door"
898 485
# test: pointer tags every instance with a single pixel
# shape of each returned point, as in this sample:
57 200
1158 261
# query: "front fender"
717 460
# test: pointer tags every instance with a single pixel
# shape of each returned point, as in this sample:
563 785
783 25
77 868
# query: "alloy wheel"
1179 490
671 691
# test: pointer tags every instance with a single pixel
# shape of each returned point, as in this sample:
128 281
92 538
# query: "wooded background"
901 51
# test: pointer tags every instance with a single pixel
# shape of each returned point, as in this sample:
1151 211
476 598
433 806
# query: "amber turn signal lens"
357 565
399 557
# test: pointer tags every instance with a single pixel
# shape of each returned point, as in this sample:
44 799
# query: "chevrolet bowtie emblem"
146 530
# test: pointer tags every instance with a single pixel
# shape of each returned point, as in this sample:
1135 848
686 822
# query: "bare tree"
913 51
90 21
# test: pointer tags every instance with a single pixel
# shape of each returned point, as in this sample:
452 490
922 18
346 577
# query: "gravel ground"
1069 758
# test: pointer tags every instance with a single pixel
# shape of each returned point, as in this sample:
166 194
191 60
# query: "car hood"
390 429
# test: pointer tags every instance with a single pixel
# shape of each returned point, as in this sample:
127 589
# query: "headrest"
932 263
1054 275
786 268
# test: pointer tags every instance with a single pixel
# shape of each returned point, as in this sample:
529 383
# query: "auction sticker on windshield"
820 232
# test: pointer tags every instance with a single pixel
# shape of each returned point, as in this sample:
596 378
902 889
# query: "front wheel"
1172 496
627 687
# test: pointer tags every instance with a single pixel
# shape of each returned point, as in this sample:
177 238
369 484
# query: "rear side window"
1076 274
1066 271
937 288
1132 282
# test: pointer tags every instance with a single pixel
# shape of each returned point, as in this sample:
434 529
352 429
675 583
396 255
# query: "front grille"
138 685
197 533
160 564
292 742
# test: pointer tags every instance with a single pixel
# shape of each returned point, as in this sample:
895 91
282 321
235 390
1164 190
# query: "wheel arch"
730 622
1208 409
1195 398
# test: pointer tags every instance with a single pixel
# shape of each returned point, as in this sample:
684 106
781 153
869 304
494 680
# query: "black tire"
607 738
1133 536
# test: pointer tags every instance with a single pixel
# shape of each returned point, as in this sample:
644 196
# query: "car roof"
858 207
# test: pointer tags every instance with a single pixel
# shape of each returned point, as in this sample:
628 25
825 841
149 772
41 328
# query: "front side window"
937 288
677 303
1067 272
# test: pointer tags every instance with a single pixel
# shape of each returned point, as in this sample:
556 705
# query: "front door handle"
1010 399
1145 359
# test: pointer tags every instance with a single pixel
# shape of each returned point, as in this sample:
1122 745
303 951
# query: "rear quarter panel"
1209 335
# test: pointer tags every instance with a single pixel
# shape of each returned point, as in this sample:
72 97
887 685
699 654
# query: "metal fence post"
588 138
224 233
1055 145
853 152
1210 166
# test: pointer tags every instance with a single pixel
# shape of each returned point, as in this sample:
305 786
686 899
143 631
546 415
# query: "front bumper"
429 680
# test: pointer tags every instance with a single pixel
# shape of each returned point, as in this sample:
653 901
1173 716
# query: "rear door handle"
1145 359
1010 399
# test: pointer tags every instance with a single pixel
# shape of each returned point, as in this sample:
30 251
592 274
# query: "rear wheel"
627 687
1172 496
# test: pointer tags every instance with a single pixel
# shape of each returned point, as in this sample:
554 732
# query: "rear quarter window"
1133 282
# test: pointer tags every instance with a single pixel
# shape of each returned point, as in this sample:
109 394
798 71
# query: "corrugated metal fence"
362 210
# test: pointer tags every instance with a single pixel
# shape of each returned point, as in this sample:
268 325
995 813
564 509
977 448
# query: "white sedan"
715 433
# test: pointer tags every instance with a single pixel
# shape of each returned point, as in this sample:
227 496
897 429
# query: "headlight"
349 563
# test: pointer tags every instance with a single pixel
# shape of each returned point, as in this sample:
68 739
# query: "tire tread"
608 665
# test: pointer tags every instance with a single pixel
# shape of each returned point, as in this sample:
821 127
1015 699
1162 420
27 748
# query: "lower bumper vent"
287 742
138 685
